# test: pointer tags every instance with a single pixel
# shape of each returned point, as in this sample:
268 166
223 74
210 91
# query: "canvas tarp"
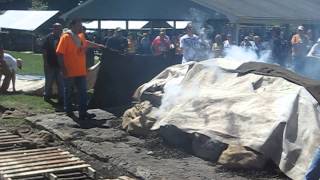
268 114
121 74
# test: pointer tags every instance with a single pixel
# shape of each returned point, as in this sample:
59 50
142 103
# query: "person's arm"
44 52
60 50
152 48
94 45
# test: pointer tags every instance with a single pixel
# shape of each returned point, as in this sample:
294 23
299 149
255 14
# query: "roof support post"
236 33
99 30
127 25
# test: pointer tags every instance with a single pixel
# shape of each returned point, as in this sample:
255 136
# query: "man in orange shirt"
299 43
71 52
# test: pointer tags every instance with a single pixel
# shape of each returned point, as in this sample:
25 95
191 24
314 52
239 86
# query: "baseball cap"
301 28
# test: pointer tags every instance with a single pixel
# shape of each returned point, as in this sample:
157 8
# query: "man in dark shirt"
117 42
52 70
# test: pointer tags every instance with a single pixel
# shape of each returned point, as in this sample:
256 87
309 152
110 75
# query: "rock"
150 153
175 136
207 148
238 157
136 121
66 128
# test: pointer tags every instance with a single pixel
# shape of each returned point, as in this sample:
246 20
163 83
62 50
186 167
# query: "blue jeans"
81 85
52 75
313 172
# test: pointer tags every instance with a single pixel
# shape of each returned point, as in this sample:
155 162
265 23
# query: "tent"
267 12
140 10
25 20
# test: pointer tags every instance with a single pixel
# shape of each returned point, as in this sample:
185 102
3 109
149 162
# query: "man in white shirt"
189 44
315 50
9 69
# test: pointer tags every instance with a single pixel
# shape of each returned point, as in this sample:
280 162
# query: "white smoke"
239 54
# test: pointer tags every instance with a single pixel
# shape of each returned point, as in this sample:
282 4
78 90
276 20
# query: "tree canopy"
61 5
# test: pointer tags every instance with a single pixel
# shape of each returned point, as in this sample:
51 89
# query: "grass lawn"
28 105
21 102
32 63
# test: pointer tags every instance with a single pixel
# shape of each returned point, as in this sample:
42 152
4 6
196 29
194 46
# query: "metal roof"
237 11
141 10
24 20
267 11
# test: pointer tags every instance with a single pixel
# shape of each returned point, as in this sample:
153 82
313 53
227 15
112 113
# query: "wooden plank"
19 166
28 151
52 176
42 167
10 140
92 173
81 177
6 134
52 170
57 154
3 131
30 154
13 147
42 158
9 136
14 142
69 174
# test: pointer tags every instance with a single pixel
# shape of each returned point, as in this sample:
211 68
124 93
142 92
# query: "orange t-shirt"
74 57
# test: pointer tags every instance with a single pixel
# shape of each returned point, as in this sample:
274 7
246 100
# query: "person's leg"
49 79
313 172
6 82
13 81
81 85
58 79
0 77
67 95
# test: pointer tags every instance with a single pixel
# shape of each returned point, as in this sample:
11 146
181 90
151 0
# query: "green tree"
14 4
39 5
62 5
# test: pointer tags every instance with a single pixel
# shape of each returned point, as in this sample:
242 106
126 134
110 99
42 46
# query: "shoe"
60 102
90 116
46 99
86 116
70 114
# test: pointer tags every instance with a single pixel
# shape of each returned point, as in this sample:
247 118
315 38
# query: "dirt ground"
153 145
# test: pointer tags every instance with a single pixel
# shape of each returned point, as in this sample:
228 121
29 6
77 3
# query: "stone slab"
103 140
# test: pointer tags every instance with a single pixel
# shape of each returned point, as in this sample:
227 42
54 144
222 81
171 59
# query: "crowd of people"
198 45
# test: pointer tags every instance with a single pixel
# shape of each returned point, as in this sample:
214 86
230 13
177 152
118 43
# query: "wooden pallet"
9 141
47 162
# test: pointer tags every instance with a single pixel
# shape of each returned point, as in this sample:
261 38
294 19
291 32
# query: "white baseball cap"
301 28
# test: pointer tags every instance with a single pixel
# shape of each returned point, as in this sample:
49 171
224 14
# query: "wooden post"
99 31
237 33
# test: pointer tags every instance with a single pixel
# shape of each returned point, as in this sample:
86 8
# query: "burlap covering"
268 114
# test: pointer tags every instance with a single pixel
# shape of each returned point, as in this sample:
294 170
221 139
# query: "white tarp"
268 114
25 20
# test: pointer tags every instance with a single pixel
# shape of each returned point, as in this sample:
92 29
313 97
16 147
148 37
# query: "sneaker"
47 99
86 116
90 116
70 114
